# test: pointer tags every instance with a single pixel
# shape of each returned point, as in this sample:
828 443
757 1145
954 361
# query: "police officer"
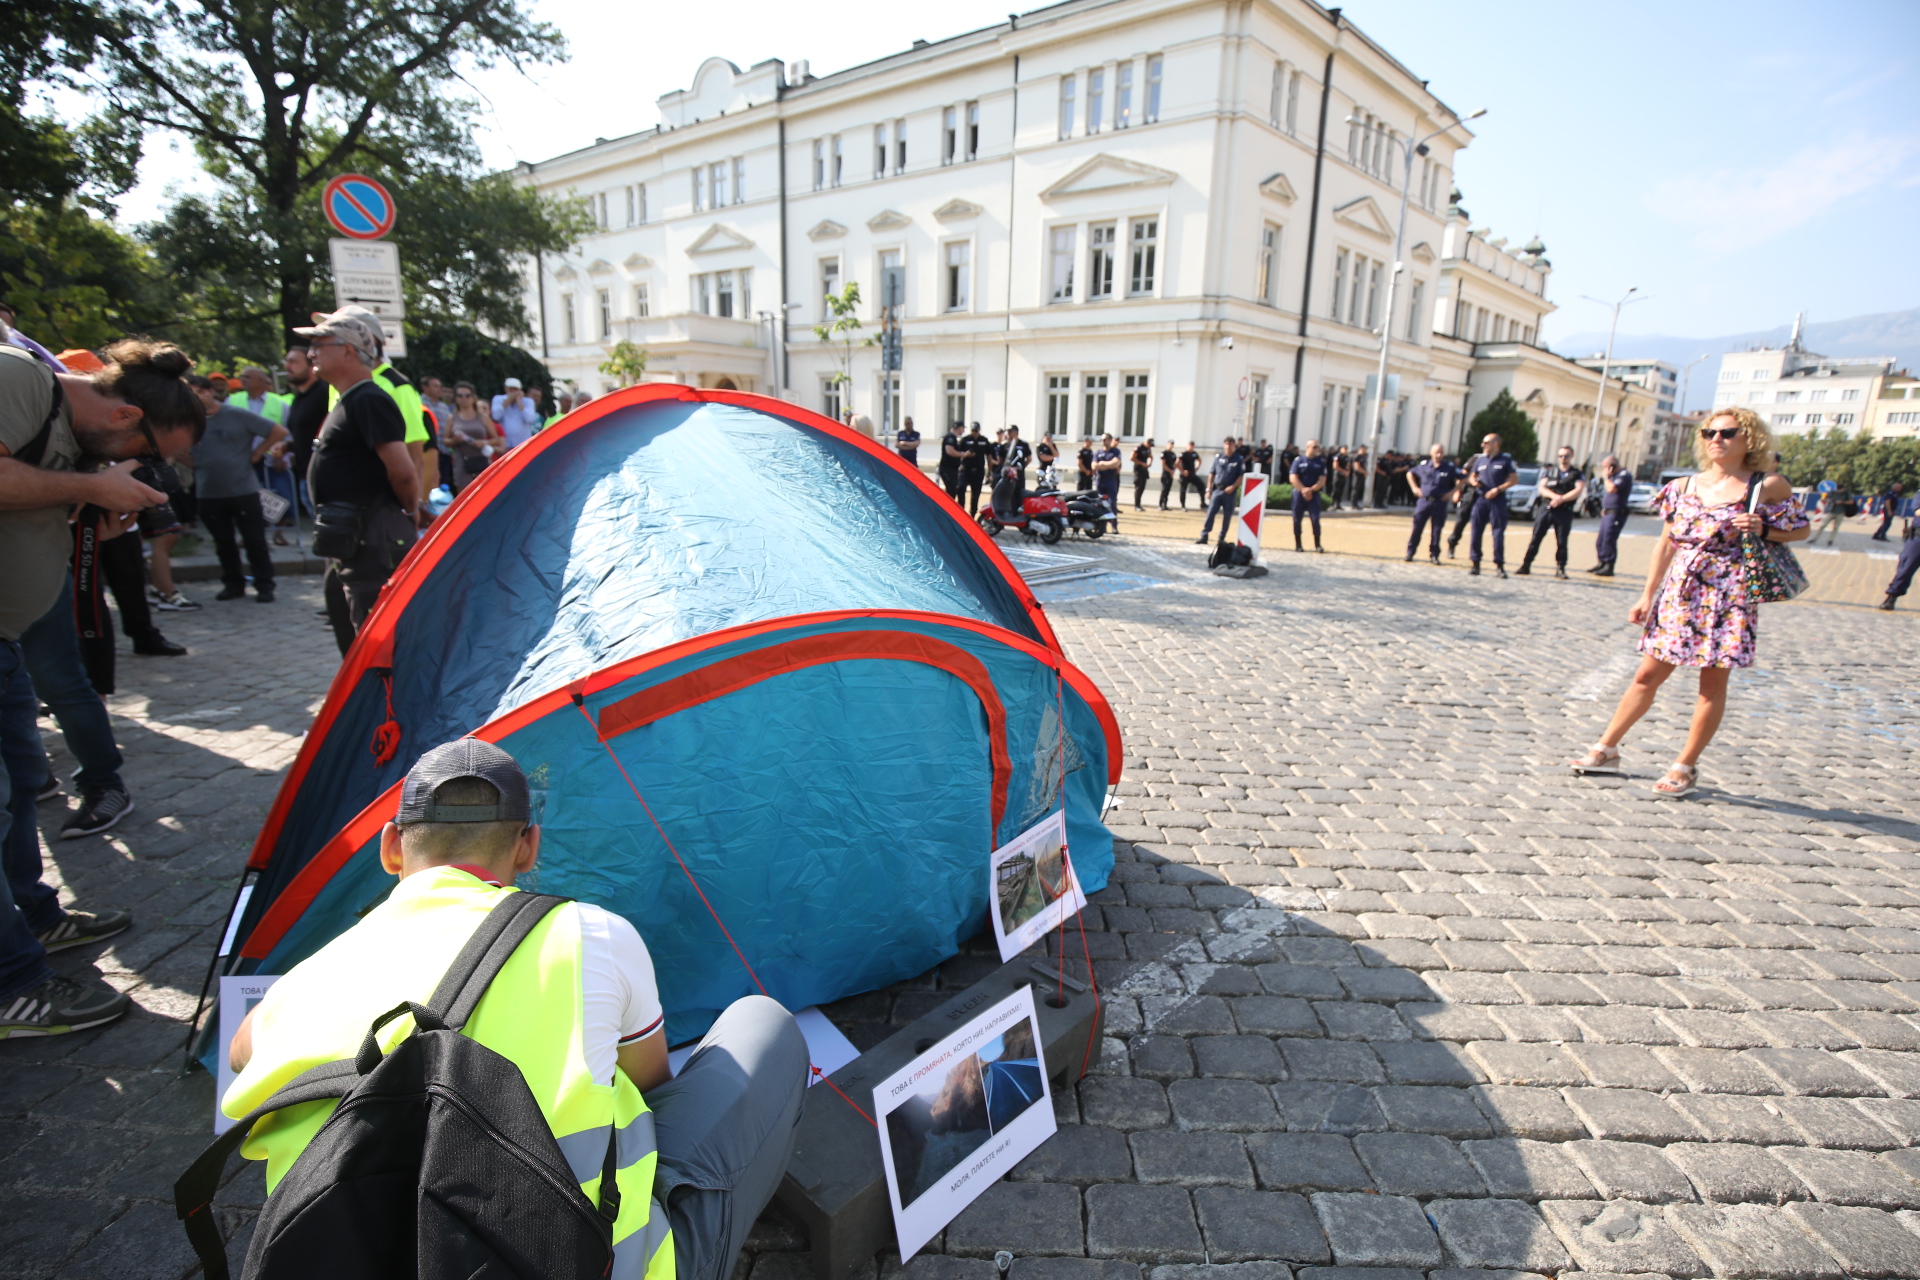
1616 488
1309 477
1223 489
1142 471
1106 474
1909 562
1010 476
1559 492
908 443
1169 468
973 466
953 454
1490 475
1084 460
1435 482
1190 474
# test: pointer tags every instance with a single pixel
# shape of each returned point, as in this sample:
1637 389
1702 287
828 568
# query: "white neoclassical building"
1102 216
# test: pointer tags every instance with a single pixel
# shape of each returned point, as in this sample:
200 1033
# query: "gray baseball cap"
464 758
355 326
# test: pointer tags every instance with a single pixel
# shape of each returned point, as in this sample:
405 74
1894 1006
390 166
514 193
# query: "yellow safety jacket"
404 393
531 1014
273 405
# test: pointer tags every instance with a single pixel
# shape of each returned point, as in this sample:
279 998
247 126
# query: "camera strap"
33 450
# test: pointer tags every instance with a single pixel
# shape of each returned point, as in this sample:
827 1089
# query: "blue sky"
1737 162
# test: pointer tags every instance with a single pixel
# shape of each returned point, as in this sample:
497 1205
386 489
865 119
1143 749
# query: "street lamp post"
1606 361
1686 379
1393 285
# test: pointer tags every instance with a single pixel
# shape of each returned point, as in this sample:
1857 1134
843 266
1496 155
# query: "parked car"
1525 490
1640 501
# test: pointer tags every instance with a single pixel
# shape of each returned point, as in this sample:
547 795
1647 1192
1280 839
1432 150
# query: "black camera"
156 473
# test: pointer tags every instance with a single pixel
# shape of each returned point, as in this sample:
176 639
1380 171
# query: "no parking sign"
357 206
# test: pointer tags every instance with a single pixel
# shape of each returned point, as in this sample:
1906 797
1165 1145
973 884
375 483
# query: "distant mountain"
1893 333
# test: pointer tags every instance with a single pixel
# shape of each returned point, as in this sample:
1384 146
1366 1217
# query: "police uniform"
908 443
1227 470
973 469
1306 473
1909 562
950 465
1142 472
1489 508
1557 481
1190 476
1084 459
1010 476
1437 482
1618 487
1169 467
1107 481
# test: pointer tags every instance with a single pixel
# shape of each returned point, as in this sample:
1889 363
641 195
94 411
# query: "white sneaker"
175 602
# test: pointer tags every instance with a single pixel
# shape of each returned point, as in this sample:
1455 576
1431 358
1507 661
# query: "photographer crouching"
136 410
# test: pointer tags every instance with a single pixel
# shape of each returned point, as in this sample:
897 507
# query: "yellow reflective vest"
273 405
404 393
531 1014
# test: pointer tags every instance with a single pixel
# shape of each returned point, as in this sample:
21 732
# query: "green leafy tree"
1857 463
75 280
1505 418
46 44
278 99
461 353
626 364
840 329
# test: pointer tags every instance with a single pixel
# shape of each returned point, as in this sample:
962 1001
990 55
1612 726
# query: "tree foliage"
461 353
1505 418
844 307
75 280
626 364
1857 463
44 45
276 99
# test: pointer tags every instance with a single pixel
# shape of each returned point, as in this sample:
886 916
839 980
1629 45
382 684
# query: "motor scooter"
1042 515
1087 513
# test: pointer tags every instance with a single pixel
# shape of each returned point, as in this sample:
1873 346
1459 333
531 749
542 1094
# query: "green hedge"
1279 495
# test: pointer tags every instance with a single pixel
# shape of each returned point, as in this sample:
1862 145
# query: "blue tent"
716 630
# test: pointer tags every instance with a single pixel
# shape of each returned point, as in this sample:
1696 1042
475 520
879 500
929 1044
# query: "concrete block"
1735 1173
1522 1169
1496 1233
1868 1243
1377 1231
1240 1225
1750 1242
1417 1164
1142 1224
1630 1171
1621 1238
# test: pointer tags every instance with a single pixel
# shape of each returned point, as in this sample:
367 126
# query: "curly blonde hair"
1759 440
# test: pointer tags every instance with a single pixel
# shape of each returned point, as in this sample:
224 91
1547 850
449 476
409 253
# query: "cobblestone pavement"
1387 989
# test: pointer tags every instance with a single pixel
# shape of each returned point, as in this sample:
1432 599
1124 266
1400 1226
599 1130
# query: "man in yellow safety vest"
575 1008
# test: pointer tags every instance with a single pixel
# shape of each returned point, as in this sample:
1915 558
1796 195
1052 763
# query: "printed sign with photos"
1031 885
960 1116
237 998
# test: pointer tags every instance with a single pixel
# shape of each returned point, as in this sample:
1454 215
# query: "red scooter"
1042 516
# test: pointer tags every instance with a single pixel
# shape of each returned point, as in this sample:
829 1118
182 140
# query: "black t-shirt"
346 465
977 447
304 418
1142 460
952 440
1085 458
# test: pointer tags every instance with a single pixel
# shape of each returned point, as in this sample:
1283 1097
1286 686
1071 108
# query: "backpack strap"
466 980
33 450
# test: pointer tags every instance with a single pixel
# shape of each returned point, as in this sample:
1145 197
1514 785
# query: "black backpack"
436 1164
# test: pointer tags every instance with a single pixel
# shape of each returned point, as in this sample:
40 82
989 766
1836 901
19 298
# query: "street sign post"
367 272
358 207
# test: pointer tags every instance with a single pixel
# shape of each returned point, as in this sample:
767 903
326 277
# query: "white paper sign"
237 998
1031 887
958 1117
827 1048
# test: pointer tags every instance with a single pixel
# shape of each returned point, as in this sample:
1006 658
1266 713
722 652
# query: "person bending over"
722 1130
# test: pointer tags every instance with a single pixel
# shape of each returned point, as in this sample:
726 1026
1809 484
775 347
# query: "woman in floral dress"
1695 606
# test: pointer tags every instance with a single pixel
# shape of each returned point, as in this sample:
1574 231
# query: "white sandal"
1601 760
1672 790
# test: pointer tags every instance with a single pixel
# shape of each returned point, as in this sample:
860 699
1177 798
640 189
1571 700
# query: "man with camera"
136 408
365 486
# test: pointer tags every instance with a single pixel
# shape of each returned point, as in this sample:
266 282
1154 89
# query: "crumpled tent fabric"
834 694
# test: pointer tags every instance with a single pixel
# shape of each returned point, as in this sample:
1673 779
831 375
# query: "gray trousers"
725 1127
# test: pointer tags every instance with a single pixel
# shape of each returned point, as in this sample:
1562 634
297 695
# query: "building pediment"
1105 173
958 210
1279 188
826 229
600 267
566 273
888 220
719 238
1364 215
637 262
1422 253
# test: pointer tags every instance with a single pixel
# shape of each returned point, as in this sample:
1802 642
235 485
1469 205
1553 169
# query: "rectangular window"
1340 259
1906 418
1093 414
1266 284
899 146
1153 88
1818 393
1059 403
1346 410
880 151
1326 413
949 135
819 163
1143 264
1729 375
955 395
959 272
1416 304
632 208
1756 397
1479 324
973 131
1813 419
893 280
1100 260
1357 295
1096 98
1060 264
1842 419
605 298
1276 97
699 189
717 183
1293 103
643 201
746 293
1133 406
890 397
1782 397
830 398
598 204
1354 126
1123 95
703 294
568 325
1256 400
1375 294
839 161
1069 85
642 302
1760 375
739 179
1782 419
829 287
1854 394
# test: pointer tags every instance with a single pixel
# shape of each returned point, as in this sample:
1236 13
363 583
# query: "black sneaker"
47 792
155 645
1502 572
1474 571
100 809
231 593
78 928
1522 571
264 597
60 1005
